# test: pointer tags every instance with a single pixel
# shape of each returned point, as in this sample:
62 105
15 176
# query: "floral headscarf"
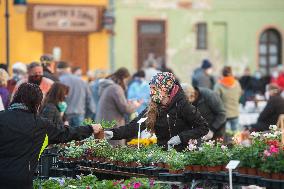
163 81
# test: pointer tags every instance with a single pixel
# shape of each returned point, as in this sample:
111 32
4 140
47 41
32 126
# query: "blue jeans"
75 120
233 123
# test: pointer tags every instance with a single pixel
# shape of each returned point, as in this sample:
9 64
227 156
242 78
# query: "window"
201 36
151 28
269 50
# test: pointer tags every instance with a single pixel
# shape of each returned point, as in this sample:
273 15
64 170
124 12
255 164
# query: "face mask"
275 74
267 95
257 76
35 79
209 71
62 106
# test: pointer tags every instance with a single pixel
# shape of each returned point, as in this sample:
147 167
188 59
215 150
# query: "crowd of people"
46 102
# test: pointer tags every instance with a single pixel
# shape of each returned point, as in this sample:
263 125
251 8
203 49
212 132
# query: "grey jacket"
79 99
200 79
113 105
211 108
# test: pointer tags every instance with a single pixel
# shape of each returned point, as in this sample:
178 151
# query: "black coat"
212 109
51 112
21 138
271 112
179 118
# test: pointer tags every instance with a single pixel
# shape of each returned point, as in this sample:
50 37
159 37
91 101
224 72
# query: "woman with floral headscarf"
169 115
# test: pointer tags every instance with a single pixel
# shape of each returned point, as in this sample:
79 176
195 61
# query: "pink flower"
273 149
136 185
266 153
123 186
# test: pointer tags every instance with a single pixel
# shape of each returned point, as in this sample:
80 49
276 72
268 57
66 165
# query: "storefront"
70 31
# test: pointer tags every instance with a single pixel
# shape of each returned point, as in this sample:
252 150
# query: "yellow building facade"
28 45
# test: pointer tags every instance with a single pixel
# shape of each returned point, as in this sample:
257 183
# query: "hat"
206 64
62 65
20 67
165 80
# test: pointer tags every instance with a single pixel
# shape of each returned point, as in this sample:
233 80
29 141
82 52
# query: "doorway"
73 47
151 41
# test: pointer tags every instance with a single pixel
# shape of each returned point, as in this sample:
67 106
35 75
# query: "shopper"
273 109
79 99
54 105
230 91
48 65
211 108
139 90
202 77
170 116
113 104
19 70
35 76
24 135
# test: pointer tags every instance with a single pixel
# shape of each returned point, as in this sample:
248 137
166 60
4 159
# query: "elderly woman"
24 135
170 116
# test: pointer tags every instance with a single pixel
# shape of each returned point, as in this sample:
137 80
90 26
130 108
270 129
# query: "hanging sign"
64 18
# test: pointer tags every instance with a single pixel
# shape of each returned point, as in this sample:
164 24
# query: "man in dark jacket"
24 135
170 115
47 63
211 108
273 109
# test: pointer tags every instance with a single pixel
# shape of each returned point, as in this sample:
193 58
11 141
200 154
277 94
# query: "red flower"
273 143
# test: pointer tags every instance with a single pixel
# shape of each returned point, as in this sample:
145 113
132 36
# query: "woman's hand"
174 141
108 135
97 128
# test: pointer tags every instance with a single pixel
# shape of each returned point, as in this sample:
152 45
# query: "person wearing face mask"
273 109
35 76
19 71
169 115
113 104
277 77
202 77
54 105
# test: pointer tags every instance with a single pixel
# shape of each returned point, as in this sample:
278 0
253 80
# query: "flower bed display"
91 182
263 158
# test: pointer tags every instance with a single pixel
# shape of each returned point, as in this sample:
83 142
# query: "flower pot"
188 168
276 176
224 168
175 171
161 165
242 170
203 169
252 171
196 168
119 163
134 164
282 176
264 174
167 166
100 135
214 169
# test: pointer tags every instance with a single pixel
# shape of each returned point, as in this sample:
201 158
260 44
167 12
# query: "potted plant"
176 162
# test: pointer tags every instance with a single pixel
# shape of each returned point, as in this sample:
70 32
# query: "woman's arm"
61 134
130 130
197 125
